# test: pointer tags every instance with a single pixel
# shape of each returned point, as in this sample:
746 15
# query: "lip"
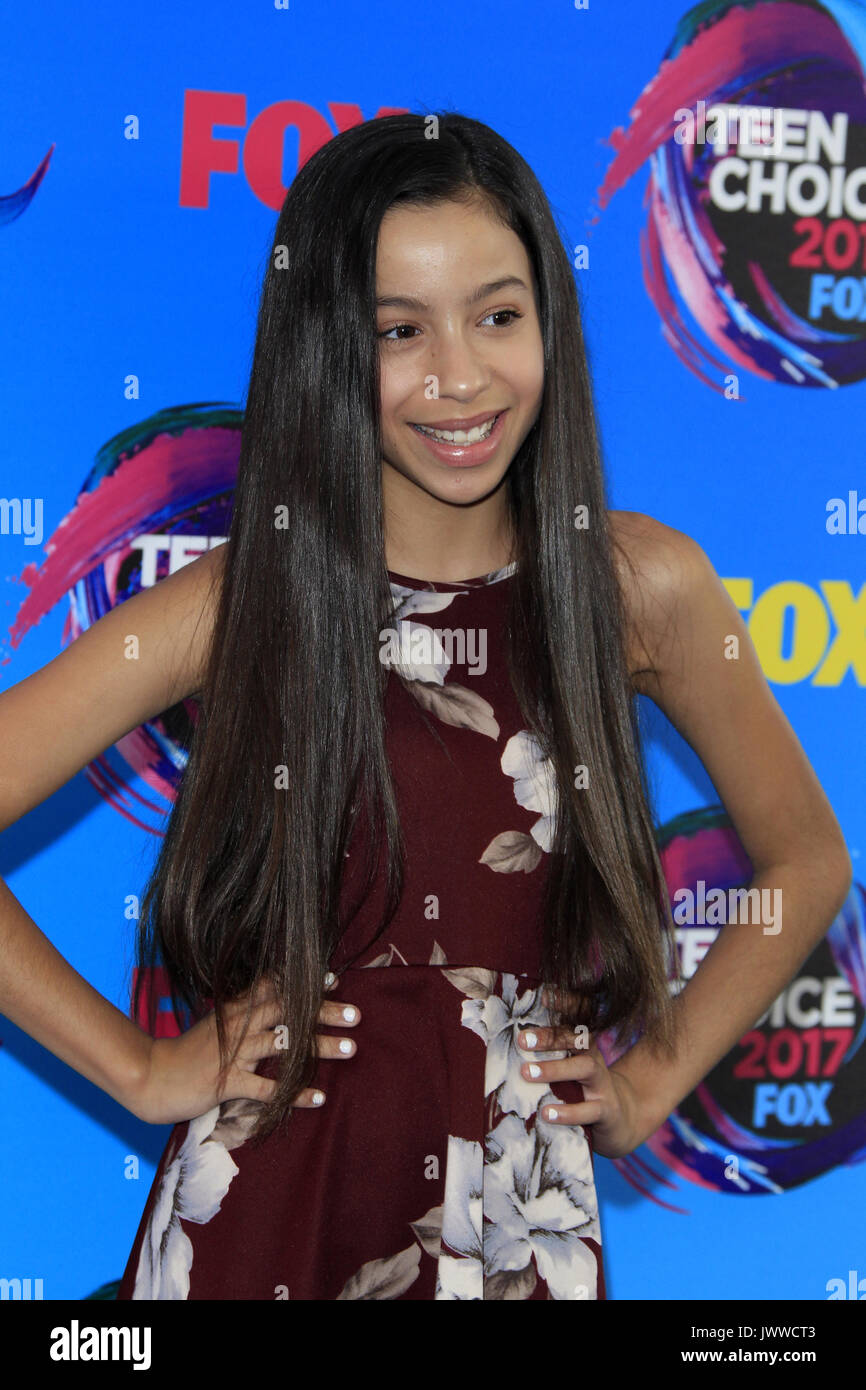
469 423
464 455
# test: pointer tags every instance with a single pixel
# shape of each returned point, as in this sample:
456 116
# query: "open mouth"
461 438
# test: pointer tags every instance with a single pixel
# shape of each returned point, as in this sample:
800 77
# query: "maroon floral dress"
429 1172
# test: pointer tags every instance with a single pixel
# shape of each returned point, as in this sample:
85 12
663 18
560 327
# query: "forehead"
447 245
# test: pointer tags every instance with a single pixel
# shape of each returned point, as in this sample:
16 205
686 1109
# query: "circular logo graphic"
157 496
755 132
789 1101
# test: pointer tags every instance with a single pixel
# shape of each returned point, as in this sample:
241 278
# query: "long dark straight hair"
289 747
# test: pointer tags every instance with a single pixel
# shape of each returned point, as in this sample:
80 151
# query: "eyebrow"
401 301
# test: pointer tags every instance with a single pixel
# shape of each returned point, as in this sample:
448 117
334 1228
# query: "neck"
440 541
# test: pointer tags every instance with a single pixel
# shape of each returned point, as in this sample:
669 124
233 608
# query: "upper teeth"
461 436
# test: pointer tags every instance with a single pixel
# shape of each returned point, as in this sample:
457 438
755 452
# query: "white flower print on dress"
382 1279
497 1019
408 601
496 575
538 1188
513 851
415 652
523 1204
193 1186
529 1206
460 1267
540 1201
534 783
398 656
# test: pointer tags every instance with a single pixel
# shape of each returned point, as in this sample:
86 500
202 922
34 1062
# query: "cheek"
526 368
528 380
396 387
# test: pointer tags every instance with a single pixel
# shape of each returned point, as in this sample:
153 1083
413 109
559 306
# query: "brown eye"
498 313
389 331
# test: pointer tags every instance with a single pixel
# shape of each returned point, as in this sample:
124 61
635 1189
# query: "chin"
464 485
454 484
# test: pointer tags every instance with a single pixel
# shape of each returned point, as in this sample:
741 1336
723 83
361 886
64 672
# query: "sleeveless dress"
429 1172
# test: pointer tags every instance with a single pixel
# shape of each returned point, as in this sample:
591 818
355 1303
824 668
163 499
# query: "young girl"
410 874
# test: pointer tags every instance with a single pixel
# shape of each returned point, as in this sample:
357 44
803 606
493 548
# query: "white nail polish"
318 1097
349 1014
534 1069
329 979
552 1114
531 1040
346 1045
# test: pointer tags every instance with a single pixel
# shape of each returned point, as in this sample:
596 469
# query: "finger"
339 1048
311 1098
269 1012
585 1112
578 1039
536 1039
264 1017
267 1015
259 1045
580 1068
330 981
555 1039
248 1085
271 1041
336 1014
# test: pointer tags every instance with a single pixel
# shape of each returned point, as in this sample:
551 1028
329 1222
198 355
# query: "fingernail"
530 1040
534 1069
347 1045
349 1014
330 977
551 1113
318 1097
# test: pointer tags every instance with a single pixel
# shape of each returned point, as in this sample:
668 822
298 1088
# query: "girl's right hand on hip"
183 1080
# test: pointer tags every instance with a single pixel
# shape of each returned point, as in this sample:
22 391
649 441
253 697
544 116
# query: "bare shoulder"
693 655
650 554
664 576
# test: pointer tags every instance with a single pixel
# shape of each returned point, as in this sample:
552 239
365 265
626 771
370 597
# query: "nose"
459 368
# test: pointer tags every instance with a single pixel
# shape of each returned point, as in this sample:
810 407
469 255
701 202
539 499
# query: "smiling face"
459 344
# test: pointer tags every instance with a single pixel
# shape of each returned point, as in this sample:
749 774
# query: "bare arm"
51 725
683 620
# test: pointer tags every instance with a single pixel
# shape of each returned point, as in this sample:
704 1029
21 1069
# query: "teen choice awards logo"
157 496
754 130
788 1102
